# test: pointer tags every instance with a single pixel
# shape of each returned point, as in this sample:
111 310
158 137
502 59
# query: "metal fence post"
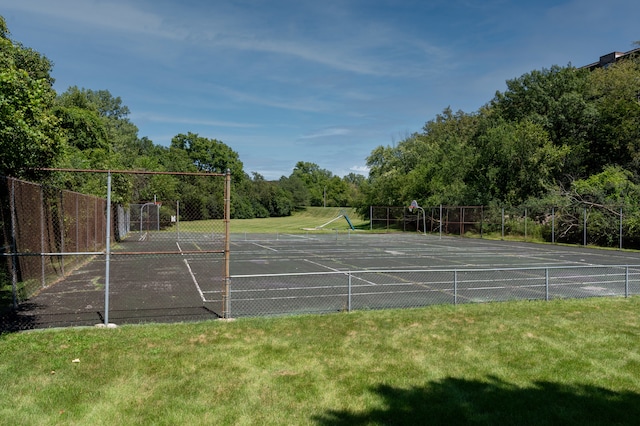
178 219
349 293
620 228
61 213
108 252
14 248
546 284
440 221
42 247
455 287
584 227
77 223
226 296
96 228
553 225
626 281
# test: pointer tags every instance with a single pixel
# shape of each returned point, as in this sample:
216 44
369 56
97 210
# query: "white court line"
304 237
264 247
339 270
193 277
323 266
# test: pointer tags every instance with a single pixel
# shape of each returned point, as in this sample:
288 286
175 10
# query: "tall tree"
615 138
209 155
556 99
315 179
29 133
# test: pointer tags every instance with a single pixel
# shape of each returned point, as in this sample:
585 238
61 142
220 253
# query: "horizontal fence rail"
346 291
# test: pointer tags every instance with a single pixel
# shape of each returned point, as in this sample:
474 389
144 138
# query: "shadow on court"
492 402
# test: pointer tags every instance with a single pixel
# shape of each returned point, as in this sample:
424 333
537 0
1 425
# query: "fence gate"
128 256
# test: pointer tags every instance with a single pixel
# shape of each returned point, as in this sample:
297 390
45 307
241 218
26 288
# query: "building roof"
611 58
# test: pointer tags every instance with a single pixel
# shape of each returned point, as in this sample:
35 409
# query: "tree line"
561 136
89 129
556 136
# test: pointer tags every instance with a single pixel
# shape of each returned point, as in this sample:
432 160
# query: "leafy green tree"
516 161
29 132
80 107
295 186
314 178
602 196
209 155
83 128
272 197
387 175
615 137
356 184
431 167
556 99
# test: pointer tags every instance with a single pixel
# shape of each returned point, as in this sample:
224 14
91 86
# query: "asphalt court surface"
160 278
306 273
288 253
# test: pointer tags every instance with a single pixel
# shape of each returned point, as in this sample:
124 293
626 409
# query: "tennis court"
165 277
327 273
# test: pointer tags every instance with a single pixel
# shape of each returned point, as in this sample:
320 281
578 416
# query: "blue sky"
325 81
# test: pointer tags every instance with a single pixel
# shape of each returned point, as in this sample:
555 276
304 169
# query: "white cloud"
363 170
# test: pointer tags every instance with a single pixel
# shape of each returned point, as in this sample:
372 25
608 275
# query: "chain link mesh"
168 260
287 294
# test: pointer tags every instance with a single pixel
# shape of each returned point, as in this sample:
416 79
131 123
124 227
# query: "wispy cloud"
111 16
184 120
300 104
332 131
367 49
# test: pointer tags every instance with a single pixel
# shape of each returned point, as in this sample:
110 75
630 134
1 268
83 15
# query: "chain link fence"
75 259
325 292
584 224
46 234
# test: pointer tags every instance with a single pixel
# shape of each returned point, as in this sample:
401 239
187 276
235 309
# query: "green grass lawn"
572 362
310 217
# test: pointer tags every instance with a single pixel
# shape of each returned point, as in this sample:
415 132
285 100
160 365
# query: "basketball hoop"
414 205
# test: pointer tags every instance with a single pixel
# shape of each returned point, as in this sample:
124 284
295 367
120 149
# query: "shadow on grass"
492 402
13 320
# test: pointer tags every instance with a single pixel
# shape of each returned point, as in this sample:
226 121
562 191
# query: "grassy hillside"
311 217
